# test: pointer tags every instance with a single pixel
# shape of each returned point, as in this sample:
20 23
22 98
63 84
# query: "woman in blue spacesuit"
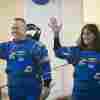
86 60
27 60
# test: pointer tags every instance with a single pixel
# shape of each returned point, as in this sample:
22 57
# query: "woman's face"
88 37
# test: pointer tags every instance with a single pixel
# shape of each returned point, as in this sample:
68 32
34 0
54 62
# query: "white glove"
54 25
45 93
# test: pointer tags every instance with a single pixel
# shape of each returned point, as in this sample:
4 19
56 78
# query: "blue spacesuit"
86 73
27 60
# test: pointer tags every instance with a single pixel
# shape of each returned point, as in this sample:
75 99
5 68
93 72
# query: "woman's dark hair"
94 29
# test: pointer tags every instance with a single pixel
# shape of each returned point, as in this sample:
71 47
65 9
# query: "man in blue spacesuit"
86 59
27 61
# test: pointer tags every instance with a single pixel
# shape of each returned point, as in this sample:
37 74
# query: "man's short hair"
20 19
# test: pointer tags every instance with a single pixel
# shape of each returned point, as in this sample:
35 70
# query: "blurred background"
72 13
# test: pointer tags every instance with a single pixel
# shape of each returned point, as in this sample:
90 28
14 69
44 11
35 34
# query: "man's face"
18 28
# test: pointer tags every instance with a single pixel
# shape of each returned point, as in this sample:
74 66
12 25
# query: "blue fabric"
46 71
24 98
25 58
87 65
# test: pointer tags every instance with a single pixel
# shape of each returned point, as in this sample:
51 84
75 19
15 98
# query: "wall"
8 10
91 10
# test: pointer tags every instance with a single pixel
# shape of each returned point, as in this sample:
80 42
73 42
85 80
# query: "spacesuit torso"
87 70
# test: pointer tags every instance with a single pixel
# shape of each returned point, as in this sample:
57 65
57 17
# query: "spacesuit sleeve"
63 52
46 68
45 63
60 51
71 54
41 56
3 50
